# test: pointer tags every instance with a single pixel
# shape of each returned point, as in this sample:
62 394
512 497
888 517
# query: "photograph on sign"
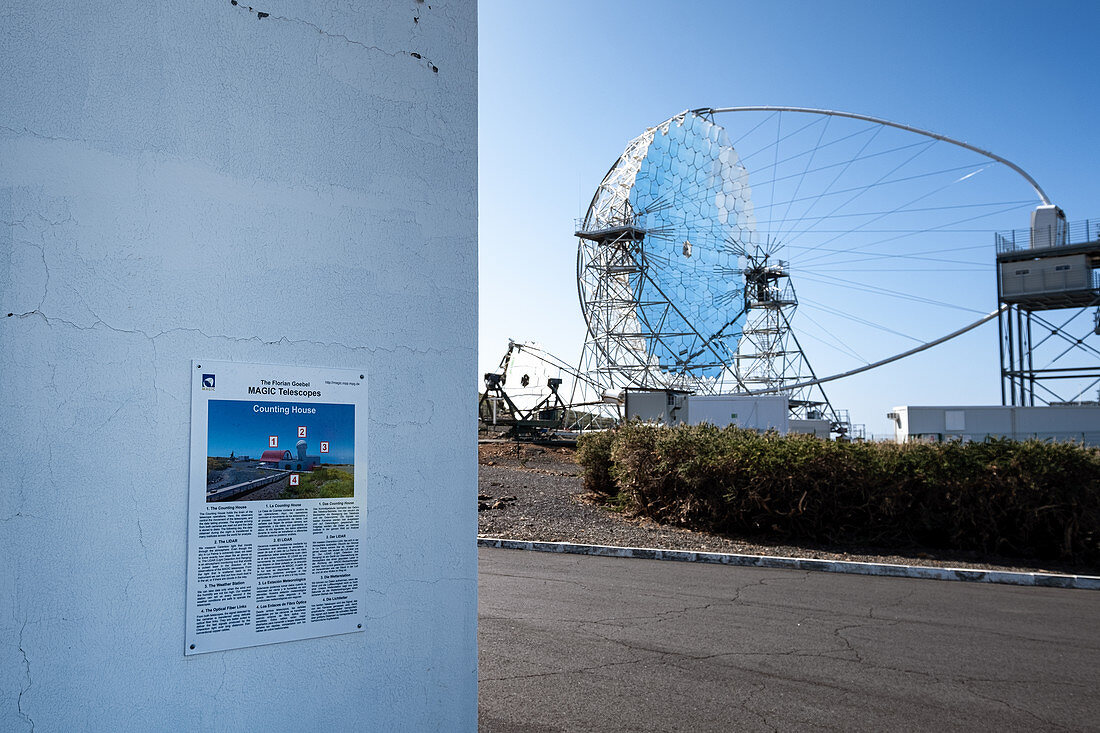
240 468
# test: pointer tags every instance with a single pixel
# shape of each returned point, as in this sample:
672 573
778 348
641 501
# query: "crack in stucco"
27 673
19 515
40 231
221 682
76 292
50 320
41 247
51 222
112 417
156 389
42 136
261 15
436 581
419 423
141 540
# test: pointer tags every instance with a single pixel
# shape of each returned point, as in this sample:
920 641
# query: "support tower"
1048 282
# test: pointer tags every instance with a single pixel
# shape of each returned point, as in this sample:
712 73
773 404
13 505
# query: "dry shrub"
594 455
1028 498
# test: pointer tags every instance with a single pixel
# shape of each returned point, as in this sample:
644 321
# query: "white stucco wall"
193 180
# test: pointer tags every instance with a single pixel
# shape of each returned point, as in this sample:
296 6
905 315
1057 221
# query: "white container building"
669 407
1077 422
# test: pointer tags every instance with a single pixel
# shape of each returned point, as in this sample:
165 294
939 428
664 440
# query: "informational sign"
276 504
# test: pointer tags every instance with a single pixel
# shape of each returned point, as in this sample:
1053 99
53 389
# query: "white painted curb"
1049 580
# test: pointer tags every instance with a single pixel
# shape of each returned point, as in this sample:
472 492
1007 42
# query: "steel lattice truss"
769 356
668 256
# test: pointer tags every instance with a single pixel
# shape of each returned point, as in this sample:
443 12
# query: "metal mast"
769 357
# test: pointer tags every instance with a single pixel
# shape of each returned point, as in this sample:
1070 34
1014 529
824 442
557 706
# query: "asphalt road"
579 643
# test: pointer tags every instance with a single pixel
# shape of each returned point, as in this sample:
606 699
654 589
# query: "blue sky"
235 426
564 86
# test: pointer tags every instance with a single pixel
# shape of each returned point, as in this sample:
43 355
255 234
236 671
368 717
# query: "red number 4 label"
293 479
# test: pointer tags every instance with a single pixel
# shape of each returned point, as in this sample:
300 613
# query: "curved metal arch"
878 120
887 360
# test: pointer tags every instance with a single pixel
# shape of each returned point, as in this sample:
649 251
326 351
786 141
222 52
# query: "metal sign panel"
276 504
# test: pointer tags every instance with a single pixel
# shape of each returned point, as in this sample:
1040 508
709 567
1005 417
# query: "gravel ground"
529 492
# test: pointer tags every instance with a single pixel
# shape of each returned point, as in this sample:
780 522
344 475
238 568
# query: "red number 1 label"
273 441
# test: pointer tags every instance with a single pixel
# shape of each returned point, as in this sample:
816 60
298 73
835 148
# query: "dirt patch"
530 492
552 460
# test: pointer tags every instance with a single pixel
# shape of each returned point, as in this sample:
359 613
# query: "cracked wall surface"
183 182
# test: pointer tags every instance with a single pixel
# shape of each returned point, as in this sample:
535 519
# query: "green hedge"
1033 498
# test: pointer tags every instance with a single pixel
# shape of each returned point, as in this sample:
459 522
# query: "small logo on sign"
293 479
273 441
301 431
324 446
208 382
